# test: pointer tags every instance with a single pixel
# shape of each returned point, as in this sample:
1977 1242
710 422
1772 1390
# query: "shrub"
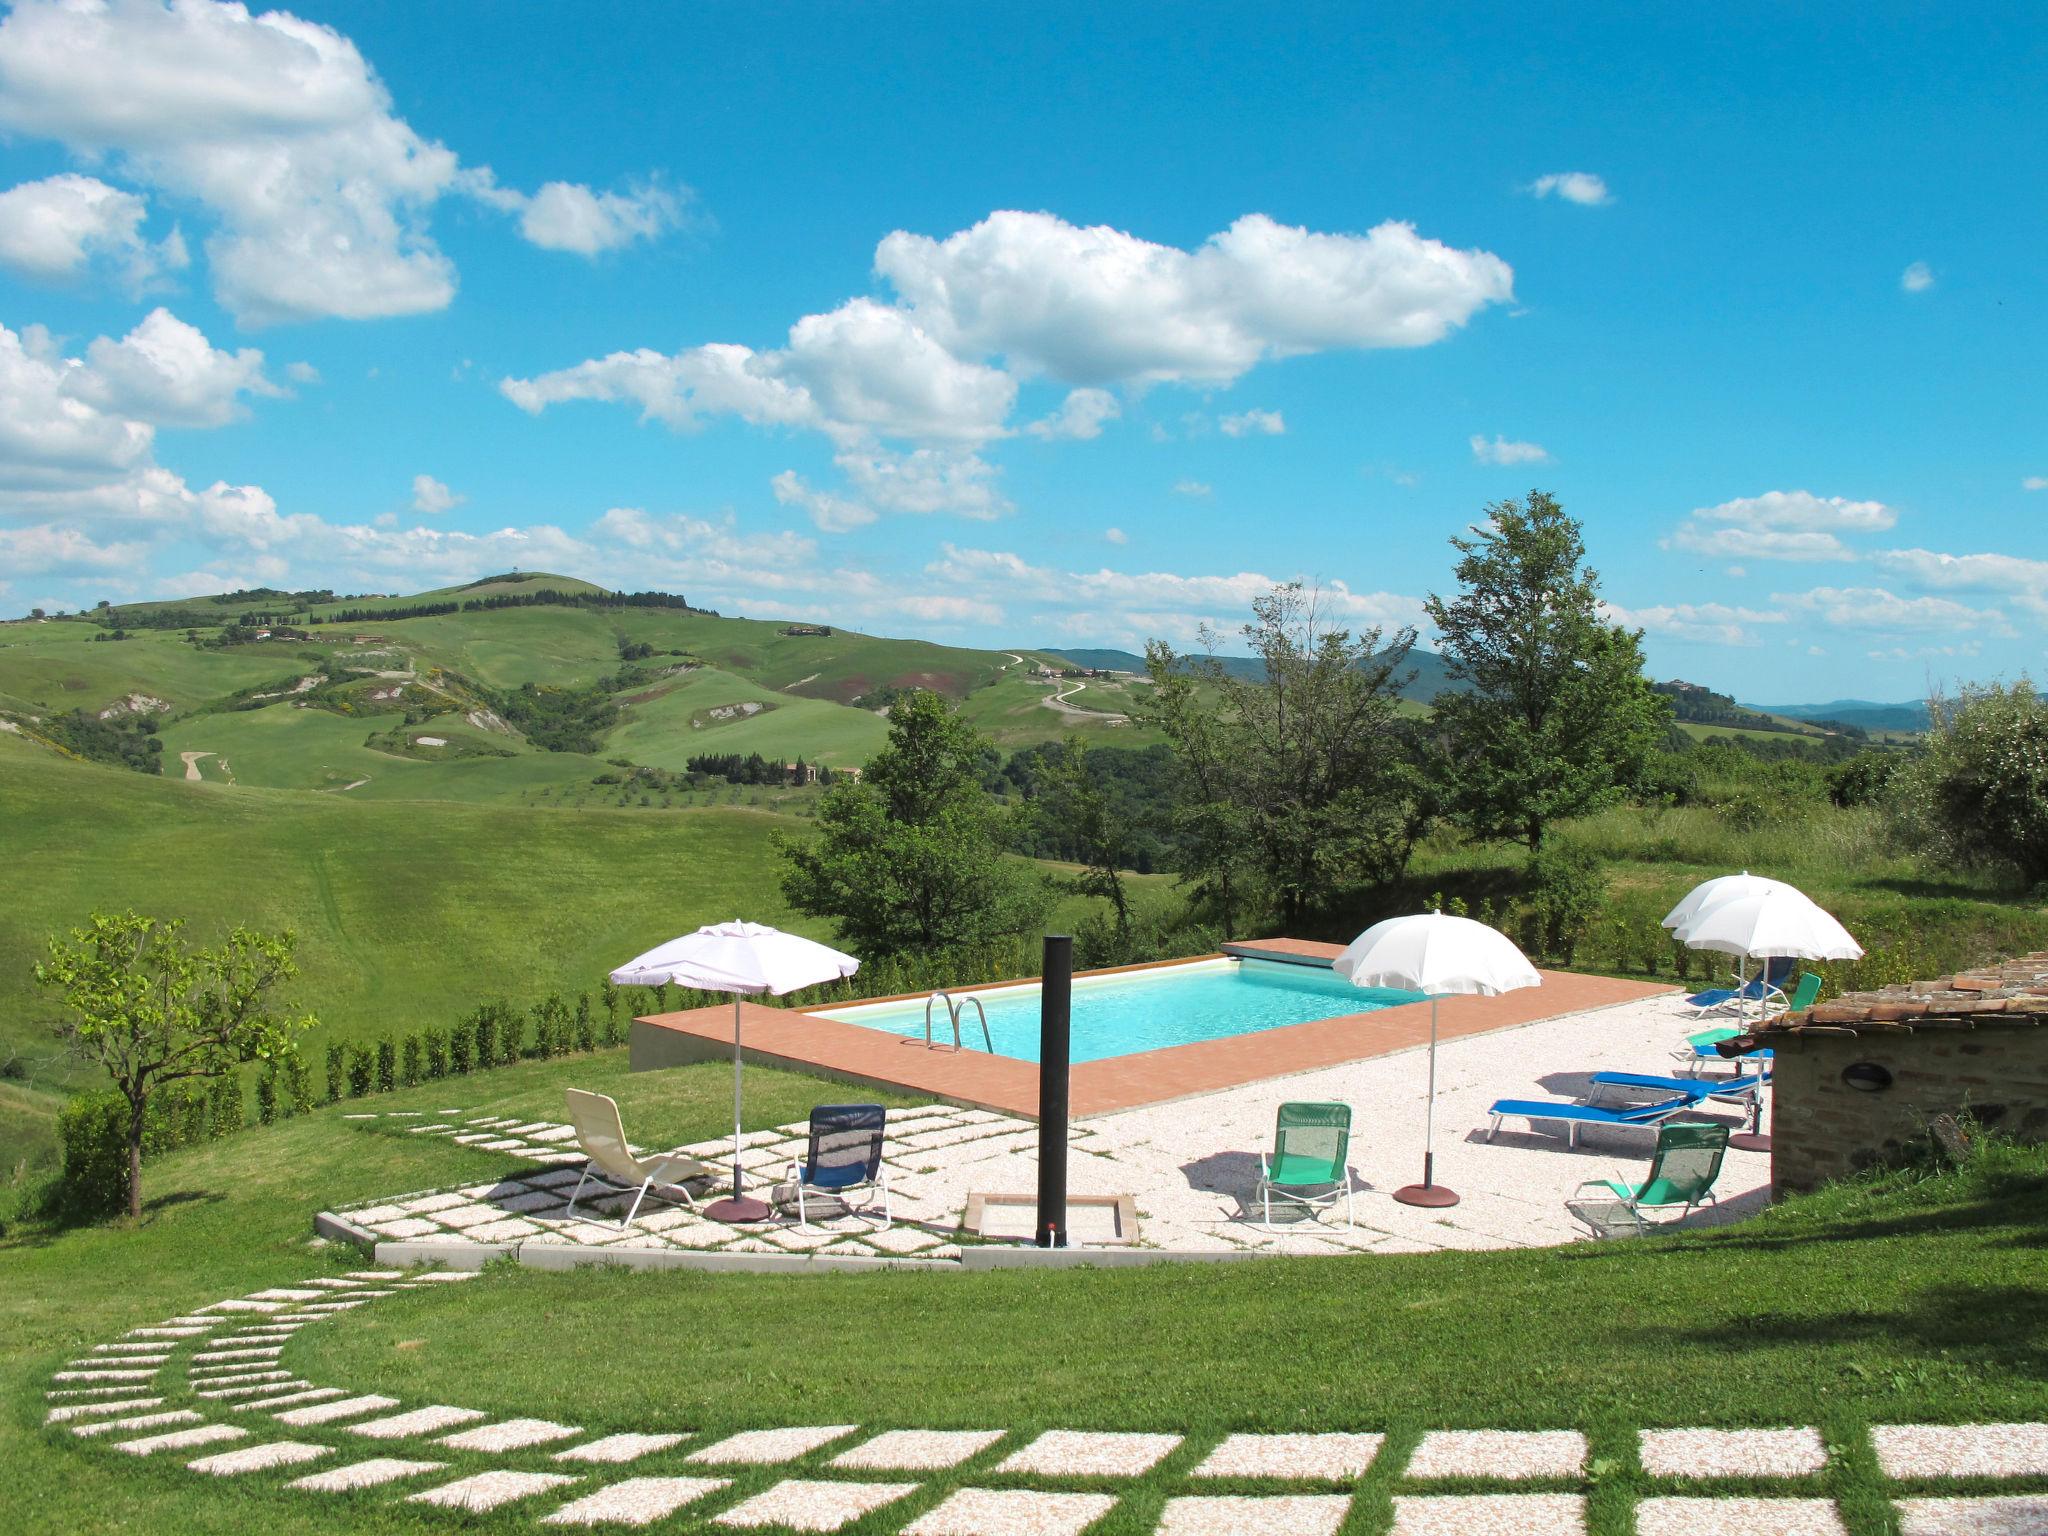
224 1105
387 1066
484 1024
437 1055
1566 888
514 1033
409 1066
93 1130
298 1085
266 1096
337 1073
360 1066
462 1048
586 1030
1979 794
609 992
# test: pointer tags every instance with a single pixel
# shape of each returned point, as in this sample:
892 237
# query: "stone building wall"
1822 1128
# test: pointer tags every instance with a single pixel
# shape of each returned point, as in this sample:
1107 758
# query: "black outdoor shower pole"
1055 1008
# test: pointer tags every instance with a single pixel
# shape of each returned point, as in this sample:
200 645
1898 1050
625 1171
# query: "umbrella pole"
737 1206
1428 1192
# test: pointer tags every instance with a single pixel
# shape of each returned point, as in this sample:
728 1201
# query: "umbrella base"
1433 1196
1750 1141
738 1209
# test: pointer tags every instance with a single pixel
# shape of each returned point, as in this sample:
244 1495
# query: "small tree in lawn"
152 1011
1978 794
1072 805
1556 718
910 860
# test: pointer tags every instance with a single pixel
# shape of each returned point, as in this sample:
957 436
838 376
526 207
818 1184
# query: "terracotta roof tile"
2013 992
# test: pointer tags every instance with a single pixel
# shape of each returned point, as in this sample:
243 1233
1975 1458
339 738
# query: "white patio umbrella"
745 959
1442 956
1721 888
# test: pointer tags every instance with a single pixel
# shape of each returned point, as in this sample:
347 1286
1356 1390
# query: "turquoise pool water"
1144 1010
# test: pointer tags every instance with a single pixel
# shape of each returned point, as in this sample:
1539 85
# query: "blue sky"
925 319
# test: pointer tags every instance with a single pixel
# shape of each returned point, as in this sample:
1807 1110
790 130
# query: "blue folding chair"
845 1155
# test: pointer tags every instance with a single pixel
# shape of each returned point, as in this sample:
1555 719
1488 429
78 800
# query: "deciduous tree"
151 1011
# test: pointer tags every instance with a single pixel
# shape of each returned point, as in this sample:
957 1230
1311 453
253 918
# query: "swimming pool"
1143 1010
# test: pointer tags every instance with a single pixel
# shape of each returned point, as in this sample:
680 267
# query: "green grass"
57 667
1892 1300
1012 711
672 721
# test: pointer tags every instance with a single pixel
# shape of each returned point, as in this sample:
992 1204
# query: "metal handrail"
953 1007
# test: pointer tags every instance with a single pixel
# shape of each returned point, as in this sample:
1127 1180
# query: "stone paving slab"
769 1447
1738 1517
328 1413
374 1473
490 1490
419 1421
636 1501
1499 1453
1011 1512
289 1399
620 1448
1961 1450
2000 1515
260 1458
917 1450
1733 1452
68 1412
1299 1514
509 1435
1084 1453
1321 1457
1489 1514
804 1505
136 1421
182 1439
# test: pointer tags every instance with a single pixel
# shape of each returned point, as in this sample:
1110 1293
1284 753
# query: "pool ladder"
954 1007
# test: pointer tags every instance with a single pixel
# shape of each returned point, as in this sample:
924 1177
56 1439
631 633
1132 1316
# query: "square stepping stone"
405 1226
377 1274
1733 1452
917 1450
803 1505
374 1473
104 1375
334 1283
74 1394
1299 1514
769 1447
163 1333
154 1350
509 1435
137 1421
1490 1514
489 1490
427 1205
555 1178
1961 1450
420 1421
1499 1453
280 1293
243 1304
328 1413
182 1439
2005 1515
636 1501
1738 1517
259 1458
64 1414
1011 1512
443 1276
119 1362
274 1384
502 1231
618 1449
1325 1458
289 1399
1086 1453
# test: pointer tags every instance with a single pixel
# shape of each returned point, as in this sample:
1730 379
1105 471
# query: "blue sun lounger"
1572 1115
1694 1088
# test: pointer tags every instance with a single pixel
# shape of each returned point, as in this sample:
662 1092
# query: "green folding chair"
1683 1168
1311 1144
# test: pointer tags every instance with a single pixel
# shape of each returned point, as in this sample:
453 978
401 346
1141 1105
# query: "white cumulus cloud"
1879 609
1254 424
1782 525
431 496
1502 451
831 512
56 227
1080 416
1917 278
566 216
1712 623
1581 187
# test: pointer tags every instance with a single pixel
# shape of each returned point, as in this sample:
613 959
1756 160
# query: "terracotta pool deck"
803 1042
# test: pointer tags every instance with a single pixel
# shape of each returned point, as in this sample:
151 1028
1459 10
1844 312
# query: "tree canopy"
1557 718
910 856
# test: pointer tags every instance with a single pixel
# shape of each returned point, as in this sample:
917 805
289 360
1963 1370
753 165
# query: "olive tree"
149 1010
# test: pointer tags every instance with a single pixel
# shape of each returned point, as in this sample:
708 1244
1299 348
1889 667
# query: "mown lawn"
1894 1301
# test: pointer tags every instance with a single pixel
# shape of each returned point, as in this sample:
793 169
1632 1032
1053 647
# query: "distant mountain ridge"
1911 716
1432 675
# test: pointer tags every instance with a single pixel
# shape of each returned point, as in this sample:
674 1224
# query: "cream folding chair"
602 1136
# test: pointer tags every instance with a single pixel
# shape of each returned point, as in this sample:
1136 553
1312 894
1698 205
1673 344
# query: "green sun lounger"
1310 1164
1683 1168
